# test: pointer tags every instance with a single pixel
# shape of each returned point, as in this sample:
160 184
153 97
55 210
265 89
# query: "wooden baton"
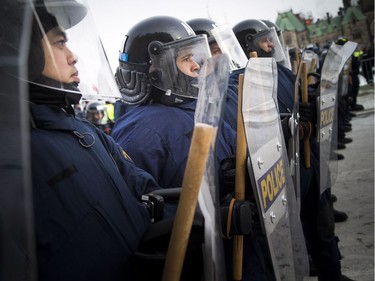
306 141
239 181
195 167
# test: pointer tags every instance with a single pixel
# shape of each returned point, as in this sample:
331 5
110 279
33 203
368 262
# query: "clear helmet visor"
176 65
74 58
229 45
268 43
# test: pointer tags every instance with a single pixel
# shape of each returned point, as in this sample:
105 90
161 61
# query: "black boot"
340 216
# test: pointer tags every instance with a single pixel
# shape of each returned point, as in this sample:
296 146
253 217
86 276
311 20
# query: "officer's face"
98 116
266 44
215 49
59 60
186 64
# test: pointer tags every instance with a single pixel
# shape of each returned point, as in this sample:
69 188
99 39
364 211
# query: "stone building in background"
355 22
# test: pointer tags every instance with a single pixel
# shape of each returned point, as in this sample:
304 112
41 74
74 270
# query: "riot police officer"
287 63
164 96
86 191
96 113
164 100
255 35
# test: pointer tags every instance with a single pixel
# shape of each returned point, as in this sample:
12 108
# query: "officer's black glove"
307 112
315 85
227 175
308 117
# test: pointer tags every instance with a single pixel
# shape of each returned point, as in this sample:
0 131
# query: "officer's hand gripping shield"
334 62
269 170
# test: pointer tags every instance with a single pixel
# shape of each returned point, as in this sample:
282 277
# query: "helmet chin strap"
184 85
265 54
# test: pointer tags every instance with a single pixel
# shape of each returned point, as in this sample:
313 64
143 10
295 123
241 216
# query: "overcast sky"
114 18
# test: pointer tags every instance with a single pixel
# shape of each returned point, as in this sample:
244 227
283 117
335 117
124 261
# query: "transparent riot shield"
230 46
293 144
310 59
334 62
17 248
213 86
344 79
269 170
200 173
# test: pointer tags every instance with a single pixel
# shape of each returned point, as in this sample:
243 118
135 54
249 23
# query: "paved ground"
355 191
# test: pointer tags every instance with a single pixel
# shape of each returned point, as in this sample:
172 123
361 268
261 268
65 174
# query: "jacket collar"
52 118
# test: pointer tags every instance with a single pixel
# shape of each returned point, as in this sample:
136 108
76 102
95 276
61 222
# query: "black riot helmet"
147 61
246 31
221 40
250 33
271 24
341 40
203 26
95 112
313 47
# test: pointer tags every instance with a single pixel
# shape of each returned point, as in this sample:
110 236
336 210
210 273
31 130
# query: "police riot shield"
293 143
344 79
269 171
310 59
200 173
17 248
213 84
287 63
334 62
229 45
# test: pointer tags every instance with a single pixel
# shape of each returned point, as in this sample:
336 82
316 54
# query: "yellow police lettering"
278 179
326 116
272 183
269 187
263 185
282 175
